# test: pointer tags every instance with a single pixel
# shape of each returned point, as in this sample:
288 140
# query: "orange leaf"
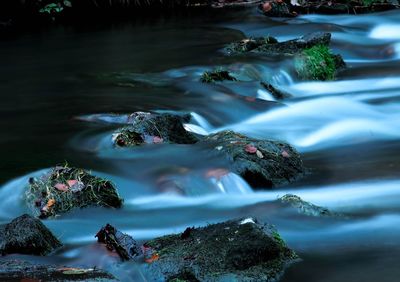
50 203
153 258
285 154
250 149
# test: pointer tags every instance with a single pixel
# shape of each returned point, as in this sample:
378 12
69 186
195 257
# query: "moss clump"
216 75
65 188
316 63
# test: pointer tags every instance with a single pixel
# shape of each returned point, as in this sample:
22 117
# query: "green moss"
316 63
216 75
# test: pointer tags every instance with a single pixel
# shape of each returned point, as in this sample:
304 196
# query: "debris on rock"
27 235
216 75
18 270
65 188
123 244
262 163
149 128
235 250
278 8
306 207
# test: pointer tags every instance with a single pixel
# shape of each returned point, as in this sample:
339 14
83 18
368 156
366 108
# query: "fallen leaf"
259 154
50 203
157 140
61 187
153 258
72 182
219 148
250 149
285 154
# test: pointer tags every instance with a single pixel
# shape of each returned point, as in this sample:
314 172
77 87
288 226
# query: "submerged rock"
65 188
154 128
236 250
306 207
17 270
262 163
123 244
216 75
27 235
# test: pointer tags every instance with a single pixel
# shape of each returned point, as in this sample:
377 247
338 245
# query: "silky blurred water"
61 88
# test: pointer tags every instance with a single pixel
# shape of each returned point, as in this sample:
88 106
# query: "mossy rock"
18 270
262 163
154 128
236 250
270 46
65 188
216 75
318 63
27 235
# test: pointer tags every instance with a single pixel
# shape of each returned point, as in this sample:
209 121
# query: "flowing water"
52 81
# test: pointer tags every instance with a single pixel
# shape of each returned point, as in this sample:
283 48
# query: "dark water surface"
347 130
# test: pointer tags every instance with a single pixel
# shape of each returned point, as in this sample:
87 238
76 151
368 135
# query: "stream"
56 83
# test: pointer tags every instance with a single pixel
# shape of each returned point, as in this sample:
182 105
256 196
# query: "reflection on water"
347 130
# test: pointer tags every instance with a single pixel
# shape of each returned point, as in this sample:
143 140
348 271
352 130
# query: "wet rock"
278 8
262 163
65 188
153 129
216 75
306 207
313 59
27 235
236 250
286 8
17 270
276 93
123 244
271 47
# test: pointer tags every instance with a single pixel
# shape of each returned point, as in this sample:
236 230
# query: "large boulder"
236 250
262 163
65 188
154 128
27 235
18 270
